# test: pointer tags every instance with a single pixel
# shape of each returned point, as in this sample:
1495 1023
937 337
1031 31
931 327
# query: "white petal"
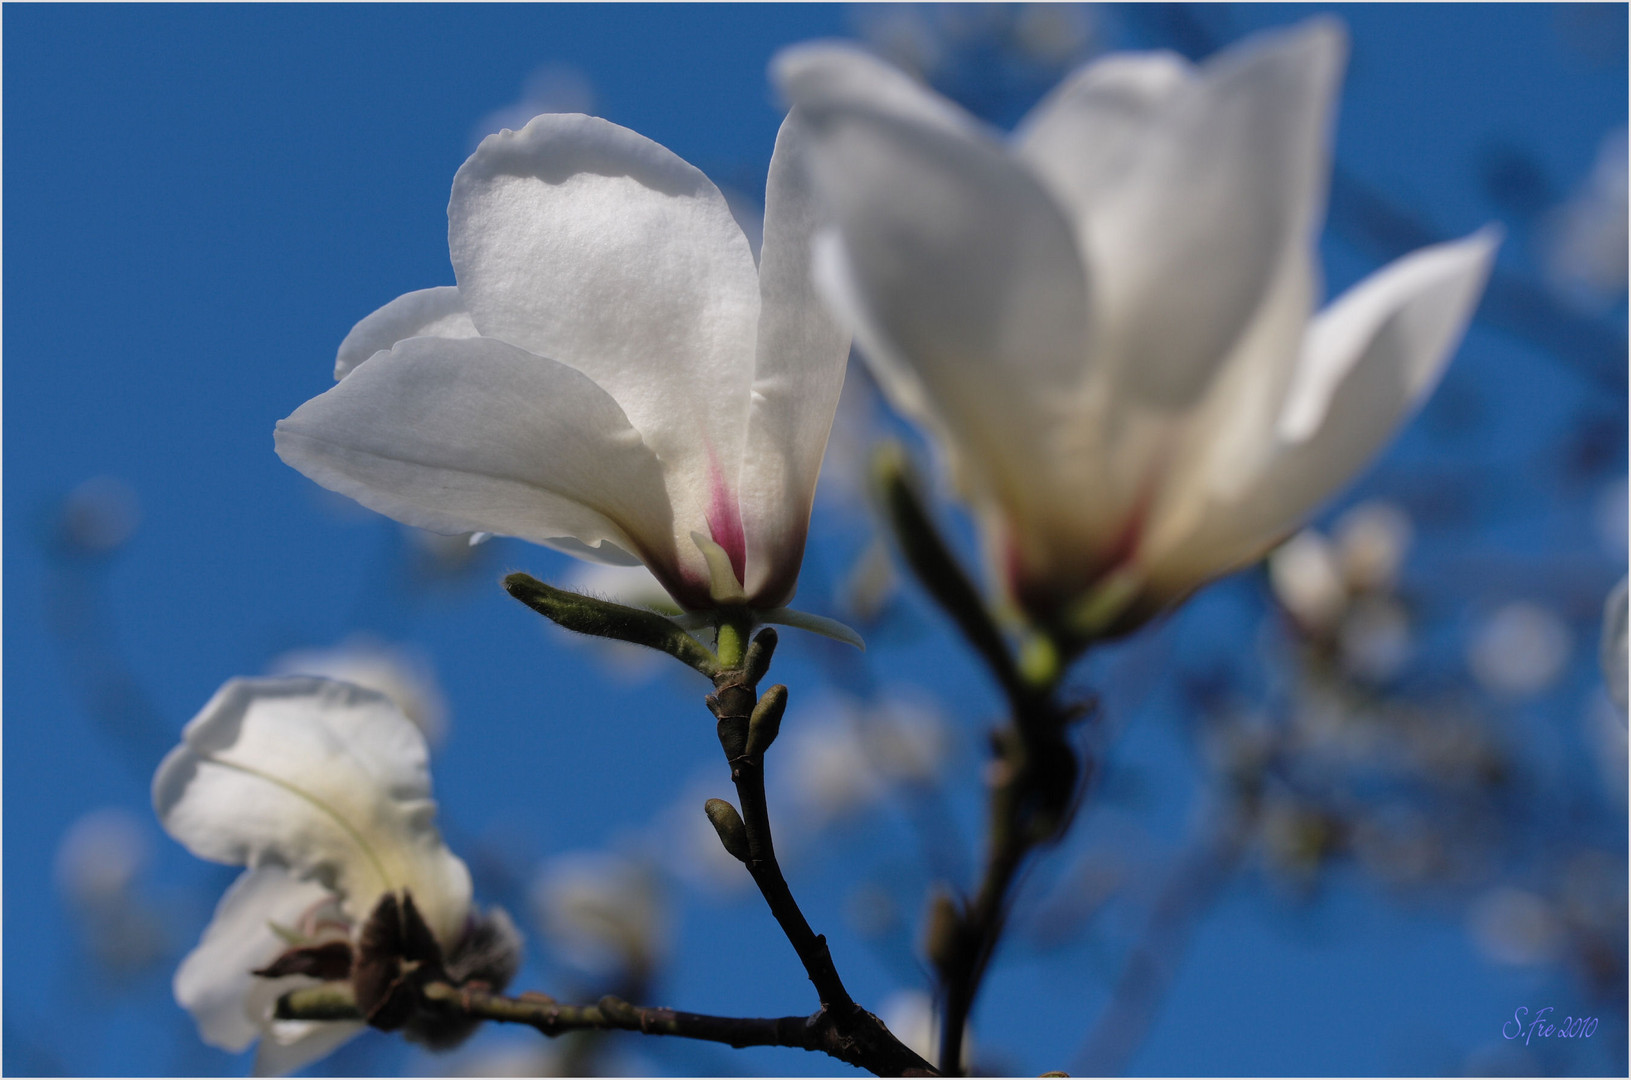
214 981
802 352
1223 185
584 242
293 1044
475 435
955 267
326 779
1397 326
1369 360
1087 131
437 312
834 72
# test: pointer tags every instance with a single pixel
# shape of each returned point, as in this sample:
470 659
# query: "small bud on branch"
733 833
602 618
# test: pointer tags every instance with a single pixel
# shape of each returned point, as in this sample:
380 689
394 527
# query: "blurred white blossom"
1514 926
1586 237
1108 321
1375 638
1612 650
322 790
1611 515
100 856
403 674
1372 540
98 863
911 1015
842 756
99 515
1307 581
602 911
1519 650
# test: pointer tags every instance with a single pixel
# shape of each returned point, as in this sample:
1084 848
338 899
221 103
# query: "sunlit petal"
323 778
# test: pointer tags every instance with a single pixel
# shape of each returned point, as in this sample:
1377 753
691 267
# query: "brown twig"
747 726
819 1032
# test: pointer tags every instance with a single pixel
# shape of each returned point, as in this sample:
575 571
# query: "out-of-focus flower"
97 864
1516 927
611 376
1372 540
1606 737
1108 322
827 772
685 844
322 791
1611 516
98 516
1375 638
843 756
100 857
602 911
403 675
911 1016
1585 250
1307 581
1612 651
1519 650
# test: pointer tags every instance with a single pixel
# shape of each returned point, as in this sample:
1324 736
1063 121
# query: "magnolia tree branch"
818 1032
1038 776
748 724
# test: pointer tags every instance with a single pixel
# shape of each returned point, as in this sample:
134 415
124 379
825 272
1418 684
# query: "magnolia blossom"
321 790
612 376
1108 319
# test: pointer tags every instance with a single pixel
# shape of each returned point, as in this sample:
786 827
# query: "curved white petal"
1368 361
582 241
802 351
437 312
956 268
214 981
1086 133
476 435
1221 186
325 779
835 72
294 1044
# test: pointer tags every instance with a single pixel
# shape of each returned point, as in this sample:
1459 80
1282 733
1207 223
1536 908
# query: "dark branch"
819 1032
747 726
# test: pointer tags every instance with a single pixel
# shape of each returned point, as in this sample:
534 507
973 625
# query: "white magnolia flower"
611 376
401 673
1108 320
321 790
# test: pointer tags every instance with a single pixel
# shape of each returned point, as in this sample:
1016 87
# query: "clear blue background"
198 204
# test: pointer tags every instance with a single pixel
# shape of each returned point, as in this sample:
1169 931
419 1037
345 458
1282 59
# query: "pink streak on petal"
725 520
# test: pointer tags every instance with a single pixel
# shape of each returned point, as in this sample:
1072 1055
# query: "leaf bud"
756 661
767 719
602 618
728 824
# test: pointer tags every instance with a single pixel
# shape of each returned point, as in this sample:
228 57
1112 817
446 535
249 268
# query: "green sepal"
602 618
